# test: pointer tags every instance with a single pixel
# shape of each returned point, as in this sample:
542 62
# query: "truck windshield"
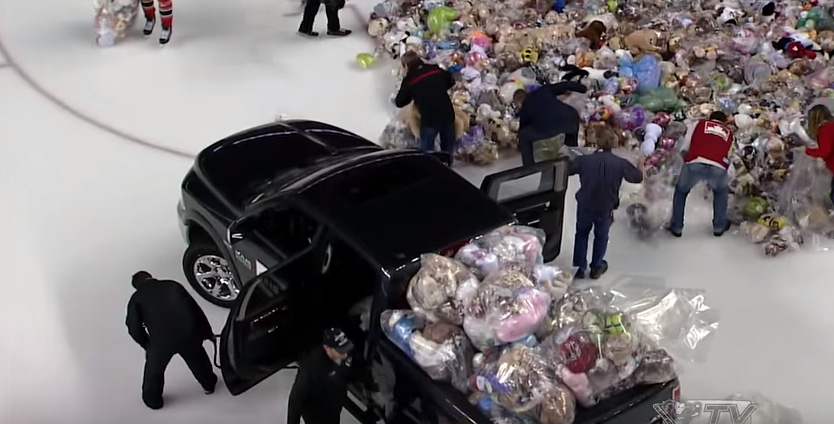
401 207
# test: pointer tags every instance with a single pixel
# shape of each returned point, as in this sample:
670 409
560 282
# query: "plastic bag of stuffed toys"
805 199
441 289
520 383
678 321
514 246
113 18
605 341
508 307
439 348
596 355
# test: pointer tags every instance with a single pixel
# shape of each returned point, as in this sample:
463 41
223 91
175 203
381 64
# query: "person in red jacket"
821 126
706 151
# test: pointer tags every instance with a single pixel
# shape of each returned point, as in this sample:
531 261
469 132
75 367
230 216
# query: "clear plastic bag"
508 307
553 279
597 355
397 135
649 209
441 349
805 200
113 19
675 320
441 289
520 380
507 247
548 149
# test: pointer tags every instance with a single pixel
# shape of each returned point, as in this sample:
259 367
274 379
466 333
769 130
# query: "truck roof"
260 161
397 205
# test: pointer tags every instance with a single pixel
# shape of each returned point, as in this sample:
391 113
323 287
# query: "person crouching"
600 175
542 117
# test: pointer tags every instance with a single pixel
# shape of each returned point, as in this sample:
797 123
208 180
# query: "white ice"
83 208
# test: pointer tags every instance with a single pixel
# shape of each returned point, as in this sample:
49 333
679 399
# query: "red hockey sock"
166 12
150 12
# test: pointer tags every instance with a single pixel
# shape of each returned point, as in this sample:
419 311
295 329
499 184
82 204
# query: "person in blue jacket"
600 176
542 115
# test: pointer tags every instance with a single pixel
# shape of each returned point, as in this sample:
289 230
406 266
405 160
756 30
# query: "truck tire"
210 274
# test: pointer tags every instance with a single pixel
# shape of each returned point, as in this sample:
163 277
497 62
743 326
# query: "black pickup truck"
299 225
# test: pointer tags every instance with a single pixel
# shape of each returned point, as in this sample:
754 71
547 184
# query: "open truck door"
267 329
535 195
258 338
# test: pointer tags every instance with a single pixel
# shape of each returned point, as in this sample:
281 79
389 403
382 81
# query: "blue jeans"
717 180
447 138
586 220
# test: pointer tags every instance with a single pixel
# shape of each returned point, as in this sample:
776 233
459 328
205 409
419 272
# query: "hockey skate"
149 26
165 36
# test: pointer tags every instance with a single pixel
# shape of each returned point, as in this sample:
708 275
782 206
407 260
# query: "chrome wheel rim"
215 278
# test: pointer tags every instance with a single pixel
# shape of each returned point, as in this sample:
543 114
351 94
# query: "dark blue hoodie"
543 115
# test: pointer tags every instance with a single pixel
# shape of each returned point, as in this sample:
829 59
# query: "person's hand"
641 163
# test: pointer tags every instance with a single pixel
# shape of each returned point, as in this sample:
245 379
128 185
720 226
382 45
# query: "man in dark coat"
331 8
543 116
166 321
320 386
428 86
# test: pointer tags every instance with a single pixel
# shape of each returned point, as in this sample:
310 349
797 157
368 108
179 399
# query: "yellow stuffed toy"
411 116
642 42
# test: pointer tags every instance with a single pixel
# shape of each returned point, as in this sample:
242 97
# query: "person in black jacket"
320 387
543 116
331 8
166 321
428 86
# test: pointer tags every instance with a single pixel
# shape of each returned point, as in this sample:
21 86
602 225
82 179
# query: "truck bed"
633 406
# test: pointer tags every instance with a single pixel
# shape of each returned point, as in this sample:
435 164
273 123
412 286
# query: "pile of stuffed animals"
650 66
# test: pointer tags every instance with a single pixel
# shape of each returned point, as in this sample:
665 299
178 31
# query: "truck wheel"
210 275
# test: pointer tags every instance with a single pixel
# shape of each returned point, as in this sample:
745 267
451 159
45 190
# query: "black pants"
157 358
331 8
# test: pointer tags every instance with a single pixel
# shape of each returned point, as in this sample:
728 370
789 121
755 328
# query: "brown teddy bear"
593 32
642 42
498 131
411 117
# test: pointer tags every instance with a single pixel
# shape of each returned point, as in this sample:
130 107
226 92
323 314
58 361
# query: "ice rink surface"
85 205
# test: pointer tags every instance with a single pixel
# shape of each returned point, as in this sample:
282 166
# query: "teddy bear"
642 42
397 42
411 116
593 32
797 45
499 132
825 39
377 27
